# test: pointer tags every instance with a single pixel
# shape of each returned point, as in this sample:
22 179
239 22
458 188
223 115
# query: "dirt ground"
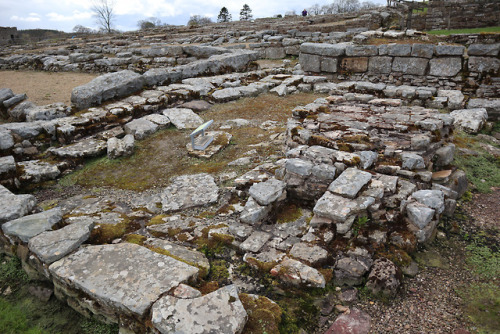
44 87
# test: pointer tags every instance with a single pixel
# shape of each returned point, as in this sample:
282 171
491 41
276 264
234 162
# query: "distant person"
304 13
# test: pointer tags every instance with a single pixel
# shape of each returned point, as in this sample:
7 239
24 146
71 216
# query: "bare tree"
314 10
198 20
149 23
104 14
79 29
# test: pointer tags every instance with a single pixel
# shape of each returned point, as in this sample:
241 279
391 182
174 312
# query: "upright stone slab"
218 312
14 206
123 278
188 191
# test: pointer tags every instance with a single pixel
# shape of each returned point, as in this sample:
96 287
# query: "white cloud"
77 15
32 17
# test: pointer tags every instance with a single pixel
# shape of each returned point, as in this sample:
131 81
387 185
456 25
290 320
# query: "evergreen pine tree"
246 13
224 15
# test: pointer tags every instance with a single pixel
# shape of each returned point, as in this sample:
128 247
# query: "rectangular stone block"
380 65
323 49
361 50
329 64
422 50
275 53
483 64
445 67
292 50
484 49
355 64
413 65
400 50
310 63
449 50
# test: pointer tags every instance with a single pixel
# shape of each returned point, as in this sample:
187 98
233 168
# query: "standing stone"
218 312
254 213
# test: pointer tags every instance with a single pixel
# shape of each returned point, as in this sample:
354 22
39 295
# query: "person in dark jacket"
304 13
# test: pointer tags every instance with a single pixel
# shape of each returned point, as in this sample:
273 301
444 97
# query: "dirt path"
44 87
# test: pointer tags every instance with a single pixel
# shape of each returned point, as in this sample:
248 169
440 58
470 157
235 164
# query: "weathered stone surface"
350 268
299 166
413 65
492 106
267 192
310 63
361 50
86 148
339 208
309 253
7 165
188 191
218 312
125 276
329 64
380 65
14 100
445 67
355 64
384 278
432 198
264 260
27 227
51 246
253 213
14 206
184 254
186 292
105 87
484 64
483 49
449 50
419 214
227 94
5 94
197 105
444 155
323 49
140 128
350 182
470 120
422 50
353 322
36 171
120 147
255 241
455 98
220 142
412 161
6 140
48 112
183 118
296 273
399 50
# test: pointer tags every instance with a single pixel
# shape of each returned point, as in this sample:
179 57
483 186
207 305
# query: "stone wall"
474 69
458 14
8 35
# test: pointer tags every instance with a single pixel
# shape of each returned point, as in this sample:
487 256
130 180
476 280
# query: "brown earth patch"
44 87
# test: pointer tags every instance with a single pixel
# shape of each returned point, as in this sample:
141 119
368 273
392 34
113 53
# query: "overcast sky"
65 14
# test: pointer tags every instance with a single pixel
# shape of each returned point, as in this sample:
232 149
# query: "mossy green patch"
218 271
135 239
156 220
288 213
483 260
264 315
482 305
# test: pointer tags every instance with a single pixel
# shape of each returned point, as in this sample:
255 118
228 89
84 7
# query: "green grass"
465 31
483 170
13 320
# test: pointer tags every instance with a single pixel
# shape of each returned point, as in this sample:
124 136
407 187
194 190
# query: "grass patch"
482 305
483 170
483 259
13 320
465 31
163 155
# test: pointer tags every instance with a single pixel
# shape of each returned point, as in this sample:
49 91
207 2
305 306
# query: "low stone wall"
473 69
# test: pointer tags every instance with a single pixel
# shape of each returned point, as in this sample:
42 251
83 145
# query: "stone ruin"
368 170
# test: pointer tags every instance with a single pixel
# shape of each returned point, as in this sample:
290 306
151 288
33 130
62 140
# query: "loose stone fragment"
352 322
267 192
296 273
309 253
384 278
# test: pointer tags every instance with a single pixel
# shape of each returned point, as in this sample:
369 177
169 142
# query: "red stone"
356 322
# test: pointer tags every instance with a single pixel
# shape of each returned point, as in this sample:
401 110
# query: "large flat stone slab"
267 192
106 87
218 312
84 149
51 246
125 277
36 171
27 227
14 206
183 118
338 208
188 191
350 182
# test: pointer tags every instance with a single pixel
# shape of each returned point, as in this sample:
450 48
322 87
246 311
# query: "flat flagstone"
124 276
188 191
218 312
13 206
27 227
350 182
